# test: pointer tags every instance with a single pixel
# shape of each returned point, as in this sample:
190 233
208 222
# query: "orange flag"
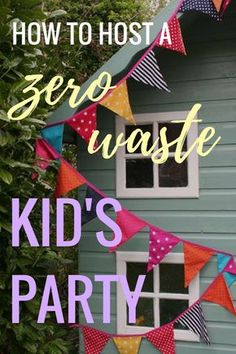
217 4
195 258
67 179
127 345
118 102
219 294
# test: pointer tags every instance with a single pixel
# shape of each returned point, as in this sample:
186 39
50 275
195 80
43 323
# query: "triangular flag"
219 294
44 154
194 320
118 102
92 197
127 345
160 244
204 6
54 136
195 257
84 122
217 4
67 179
222 261
149 72
163 339
176 37
225 4
130 224
231 267
94 340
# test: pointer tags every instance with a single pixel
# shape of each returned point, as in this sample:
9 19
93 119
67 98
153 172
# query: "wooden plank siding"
208 76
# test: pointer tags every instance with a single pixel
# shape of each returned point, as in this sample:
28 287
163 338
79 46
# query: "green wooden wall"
207 75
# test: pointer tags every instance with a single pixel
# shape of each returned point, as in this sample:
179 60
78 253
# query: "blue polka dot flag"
204 6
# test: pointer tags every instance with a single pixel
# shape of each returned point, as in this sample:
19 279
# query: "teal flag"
54 136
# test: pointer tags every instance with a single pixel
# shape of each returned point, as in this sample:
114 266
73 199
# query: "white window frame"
122 258
191 191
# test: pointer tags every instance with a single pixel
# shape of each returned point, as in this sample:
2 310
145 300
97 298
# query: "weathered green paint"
207 75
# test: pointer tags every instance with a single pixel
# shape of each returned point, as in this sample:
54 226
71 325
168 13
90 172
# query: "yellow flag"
118 102
217 4
127 345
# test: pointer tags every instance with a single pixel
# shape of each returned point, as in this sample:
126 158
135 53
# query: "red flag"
219 294
231 267
163 339
130 224
44 154
176 37
67 179
85 122
160 244
94 340
195 257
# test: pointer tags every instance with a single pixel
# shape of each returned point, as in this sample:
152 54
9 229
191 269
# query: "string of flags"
161 242
146 71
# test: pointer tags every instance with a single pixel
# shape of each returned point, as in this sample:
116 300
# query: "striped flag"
195 321
149 73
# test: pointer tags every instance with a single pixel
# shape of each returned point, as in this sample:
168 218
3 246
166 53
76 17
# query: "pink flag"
85 122
44 154
176 37
130 224
163 339
161 243
231 267
94 340
225 4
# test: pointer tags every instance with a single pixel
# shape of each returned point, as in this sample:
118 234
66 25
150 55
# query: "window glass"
170 309
172 278
172 133
144 313
145 128
139 173
172 174
136 269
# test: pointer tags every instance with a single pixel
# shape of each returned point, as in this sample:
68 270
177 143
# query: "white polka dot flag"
84 122
94 340
127 345
118 101
163 339
161 243
204 6
177 43
231 267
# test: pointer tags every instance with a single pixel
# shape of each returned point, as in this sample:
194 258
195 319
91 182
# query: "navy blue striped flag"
149 73
195 321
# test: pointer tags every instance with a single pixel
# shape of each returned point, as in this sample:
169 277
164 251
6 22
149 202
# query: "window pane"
172 174
172 278
170 309
136 269
145 128
172 133
139 173
144 313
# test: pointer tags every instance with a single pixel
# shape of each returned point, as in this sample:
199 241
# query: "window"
138 177
163 295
